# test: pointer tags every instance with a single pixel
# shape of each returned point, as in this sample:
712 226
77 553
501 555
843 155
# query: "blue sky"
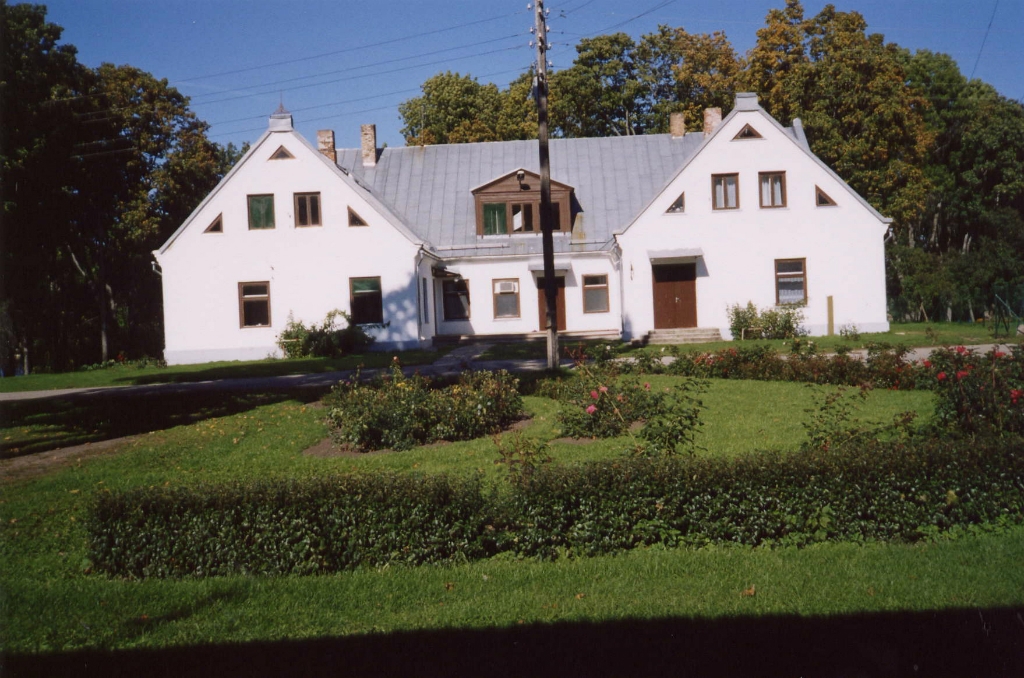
336 64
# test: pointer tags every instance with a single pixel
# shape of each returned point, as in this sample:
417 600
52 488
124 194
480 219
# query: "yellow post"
831 318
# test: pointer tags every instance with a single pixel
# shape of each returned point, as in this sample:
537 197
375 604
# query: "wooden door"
675 296
542 303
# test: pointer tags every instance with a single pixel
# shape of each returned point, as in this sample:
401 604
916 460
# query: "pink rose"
593 394
591 409
603 389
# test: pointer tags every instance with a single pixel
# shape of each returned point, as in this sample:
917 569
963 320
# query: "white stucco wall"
308 268
481 273
842 244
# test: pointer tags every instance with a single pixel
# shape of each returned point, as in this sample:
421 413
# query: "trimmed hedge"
880 491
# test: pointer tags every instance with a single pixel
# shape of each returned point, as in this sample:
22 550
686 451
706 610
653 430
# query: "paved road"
463 357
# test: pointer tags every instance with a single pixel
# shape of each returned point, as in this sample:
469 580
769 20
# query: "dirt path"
41 463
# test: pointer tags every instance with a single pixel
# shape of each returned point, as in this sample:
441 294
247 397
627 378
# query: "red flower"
961 350
928 363
1015 394
647 386
961 374
591 409
999 354
594 395
941 376
603 389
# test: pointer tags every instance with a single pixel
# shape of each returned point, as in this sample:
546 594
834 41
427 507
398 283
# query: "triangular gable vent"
282 153
748 132
678 206
217 226
822 199
354 219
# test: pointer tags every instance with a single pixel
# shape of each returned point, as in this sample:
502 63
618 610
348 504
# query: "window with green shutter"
261 212
495 220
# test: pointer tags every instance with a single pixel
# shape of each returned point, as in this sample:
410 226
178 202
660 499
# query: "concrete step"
689 335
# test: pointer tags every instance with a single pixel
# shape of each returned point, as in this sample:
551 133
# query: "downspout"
419 292
617 263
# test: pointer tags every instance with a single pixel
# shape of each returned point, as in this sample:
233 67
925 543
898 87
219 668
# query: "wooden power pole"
546 227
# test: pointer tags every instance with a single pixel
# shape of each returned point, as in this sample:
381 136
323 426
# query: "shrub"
894 491
600 403
979 393
327 340
400 412
747 322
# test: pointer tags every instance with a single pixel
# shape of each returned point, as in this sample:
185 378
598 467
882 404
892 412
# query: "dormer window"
511 205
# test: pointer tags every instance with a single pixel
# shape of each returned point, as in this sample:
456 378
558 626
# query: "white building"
655 232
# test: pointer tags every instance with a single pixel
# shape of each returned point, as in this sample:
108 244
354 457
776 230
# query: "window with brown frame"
261 212
725 191
772 188
365 301
506 298
679 206
216 226
747 132
307 209
595 294
354 219
455 299
282 153
790 281
822 199
254 304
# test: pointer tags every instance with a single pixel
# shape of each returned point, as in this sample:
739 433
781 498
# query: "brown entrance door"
542 302
675 296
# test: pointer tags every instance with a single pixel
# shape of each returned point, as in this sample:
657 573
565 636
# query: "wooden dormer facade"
510 205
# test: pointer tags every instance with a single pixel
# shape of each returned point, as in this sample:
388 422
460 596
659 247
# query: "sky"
337 64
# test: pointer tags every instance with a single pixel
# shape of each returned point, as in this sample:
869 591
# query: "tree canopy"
98 167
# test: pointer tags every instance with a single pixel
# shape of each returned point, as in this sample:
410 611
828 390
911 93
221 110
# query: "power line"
349 49
984 40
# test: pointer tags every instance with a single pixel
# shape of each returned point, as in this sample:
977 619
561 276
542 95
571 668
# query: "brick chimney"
325 144
712 119
677 124
368 137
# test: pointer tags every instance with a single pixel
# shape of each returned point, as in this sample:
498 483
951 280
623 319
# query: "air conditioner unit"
506 287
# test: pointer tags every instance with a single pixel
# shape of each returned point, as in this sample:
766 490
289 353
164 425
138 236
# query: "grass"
53 604
910 334
131 375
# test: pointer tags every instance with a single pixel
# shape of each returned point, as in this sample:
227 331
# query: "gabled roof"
747 103
280 123
431 187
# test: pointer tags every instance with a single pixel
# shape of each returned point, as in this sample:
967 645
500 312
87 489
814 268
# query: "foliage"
520 456
326 340
399 412
597 402
747 322
897 491
99 166
979 393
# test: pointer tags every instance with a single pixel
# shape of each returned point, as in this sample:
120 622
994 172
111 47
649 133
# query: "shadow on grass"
949 643
46 424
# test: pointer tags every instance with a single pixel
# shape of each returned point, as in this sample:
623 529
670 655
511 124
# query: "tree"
103 165
452 109
599 95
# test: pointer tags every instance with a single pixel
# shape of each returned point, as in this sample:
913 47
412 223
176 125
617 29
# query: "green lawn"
53 603
909 334
130 375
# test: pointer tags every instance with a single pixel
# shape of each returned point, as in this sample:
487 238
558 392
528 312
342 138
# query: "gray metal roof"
430 187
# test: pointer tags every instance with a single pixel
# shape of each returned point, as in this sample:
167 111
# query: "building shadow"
969 642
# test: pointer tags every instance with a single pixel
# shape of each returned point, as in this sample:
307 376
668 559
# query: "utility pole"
546 227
